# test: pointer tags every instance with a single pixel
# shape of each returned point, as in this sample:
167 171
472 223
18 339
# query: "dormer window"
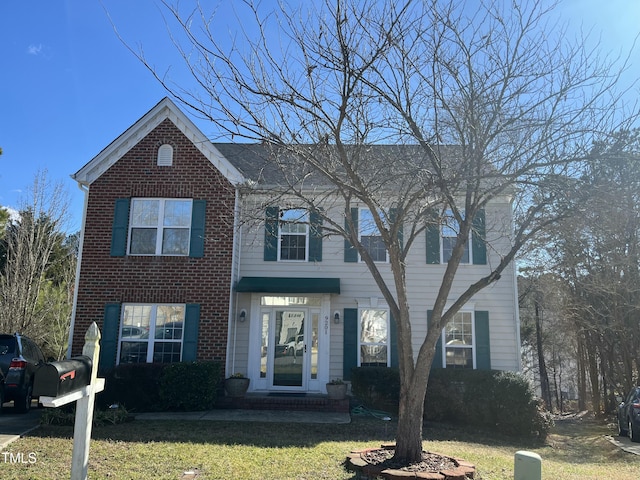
165 155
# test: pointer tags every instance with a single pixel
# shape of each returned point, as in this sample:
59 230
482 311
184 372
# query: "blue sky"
68 86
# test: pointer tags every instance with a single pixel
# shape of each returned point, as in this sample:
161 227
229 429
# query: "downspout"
515 299
233 298
85 190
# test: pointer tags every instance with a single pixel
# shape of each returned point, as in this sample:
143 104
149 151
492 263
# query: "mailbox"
55 379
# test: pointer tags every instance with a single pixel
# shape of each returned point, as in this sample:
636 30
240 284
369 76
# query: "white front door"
290 344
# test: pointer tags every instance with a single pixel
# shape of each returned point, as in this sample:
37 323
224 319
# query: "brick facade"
159 279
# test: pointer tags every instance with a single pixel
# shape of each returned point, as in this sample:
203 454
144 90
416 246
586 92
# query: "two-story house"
172 271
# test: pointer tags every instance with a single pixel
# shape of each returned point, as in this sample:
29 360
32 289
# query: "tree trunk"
414 378
582 374
410 419
594 375
542 366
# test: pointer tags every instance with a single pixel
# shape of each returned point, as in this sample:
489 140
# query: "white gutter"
72 325
233 298
518 341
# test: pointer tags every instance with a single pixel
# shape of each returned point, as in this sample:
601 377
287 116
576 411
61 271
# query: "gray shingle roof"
255 161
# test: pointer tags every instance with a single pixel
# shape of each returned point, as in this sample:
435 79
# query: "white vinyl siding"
422 282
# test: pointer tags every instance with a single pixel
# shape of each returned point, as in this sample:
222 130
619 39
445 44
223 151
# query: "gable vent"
165 155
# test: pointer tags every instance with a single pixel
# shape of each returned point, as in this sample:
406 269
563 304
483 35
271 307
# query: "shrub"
66 416
136 386
189 386
496 401
148 387
376 387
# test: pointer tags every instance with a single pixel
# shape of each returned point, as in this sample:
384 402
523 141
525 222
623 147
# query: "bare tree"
596 255
519 100
30 243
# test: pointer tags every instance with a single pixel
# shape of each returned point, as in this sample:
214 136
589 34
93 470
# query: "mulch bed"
379 462
431 462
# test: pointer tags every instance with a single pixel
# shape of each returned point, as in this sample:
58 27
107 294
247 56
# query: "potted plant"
236 385
337 389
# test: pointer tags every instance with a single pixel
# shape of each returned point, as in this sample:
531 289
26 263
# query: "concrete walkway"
231 415
625 444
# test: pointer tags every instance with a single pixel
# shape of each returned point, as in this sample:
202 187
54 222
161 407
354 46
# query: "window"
450 230
151 333
370 236
294 234
458 341
160 226
374 338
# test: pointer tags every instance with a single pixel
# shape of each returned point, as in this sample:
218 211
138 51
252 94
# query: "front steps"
284 401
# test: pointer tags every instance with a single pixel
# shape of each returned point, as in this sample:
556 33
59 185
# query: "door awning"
288 285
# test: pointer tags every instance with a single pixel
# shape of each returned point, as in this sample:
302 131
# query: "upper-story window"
294 234
450 230
160 226
370 236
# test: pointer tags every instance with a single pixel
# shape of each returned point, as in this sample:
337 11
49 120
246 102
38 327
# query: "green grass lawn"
270 451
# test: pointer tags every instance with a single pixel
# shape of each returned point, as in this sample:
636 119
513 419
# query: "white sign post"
85 398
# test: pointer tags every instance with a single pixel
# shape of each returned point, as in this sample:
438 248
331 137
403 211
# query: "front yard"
275 451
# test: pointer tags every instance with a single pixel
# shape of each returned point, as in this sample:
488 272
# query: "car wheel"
622 431
634 432
22 404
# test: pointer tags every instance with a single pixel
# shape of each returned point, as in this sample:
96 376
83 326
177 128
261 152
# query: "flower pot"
337 391
236 387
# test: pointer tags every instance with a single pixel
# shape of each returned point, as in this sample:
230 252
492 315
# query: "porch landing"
285 401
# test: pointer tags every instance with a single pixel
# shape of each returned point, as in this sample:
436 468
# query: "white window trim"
281 234
473 340
386 252
159 228
151 340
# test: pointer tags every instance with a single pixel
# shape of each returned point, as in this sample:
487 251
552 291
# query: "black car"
629 415
20 357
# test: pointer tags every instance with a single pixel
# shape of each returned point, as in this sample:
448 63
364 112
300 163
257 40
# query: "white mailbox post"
84 408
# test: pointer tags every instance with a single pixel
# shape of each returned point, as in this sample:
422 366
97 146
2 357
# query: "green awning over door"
288 285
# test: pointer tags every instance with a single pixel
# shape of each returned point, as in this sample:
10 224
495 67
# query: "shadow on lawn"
259 434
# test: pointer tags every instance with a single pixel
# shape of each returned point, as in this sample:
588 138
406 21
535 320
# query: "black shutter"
272 215
120 227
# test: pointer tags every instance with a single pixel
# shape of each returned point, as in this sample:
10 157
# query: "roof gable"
165 109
